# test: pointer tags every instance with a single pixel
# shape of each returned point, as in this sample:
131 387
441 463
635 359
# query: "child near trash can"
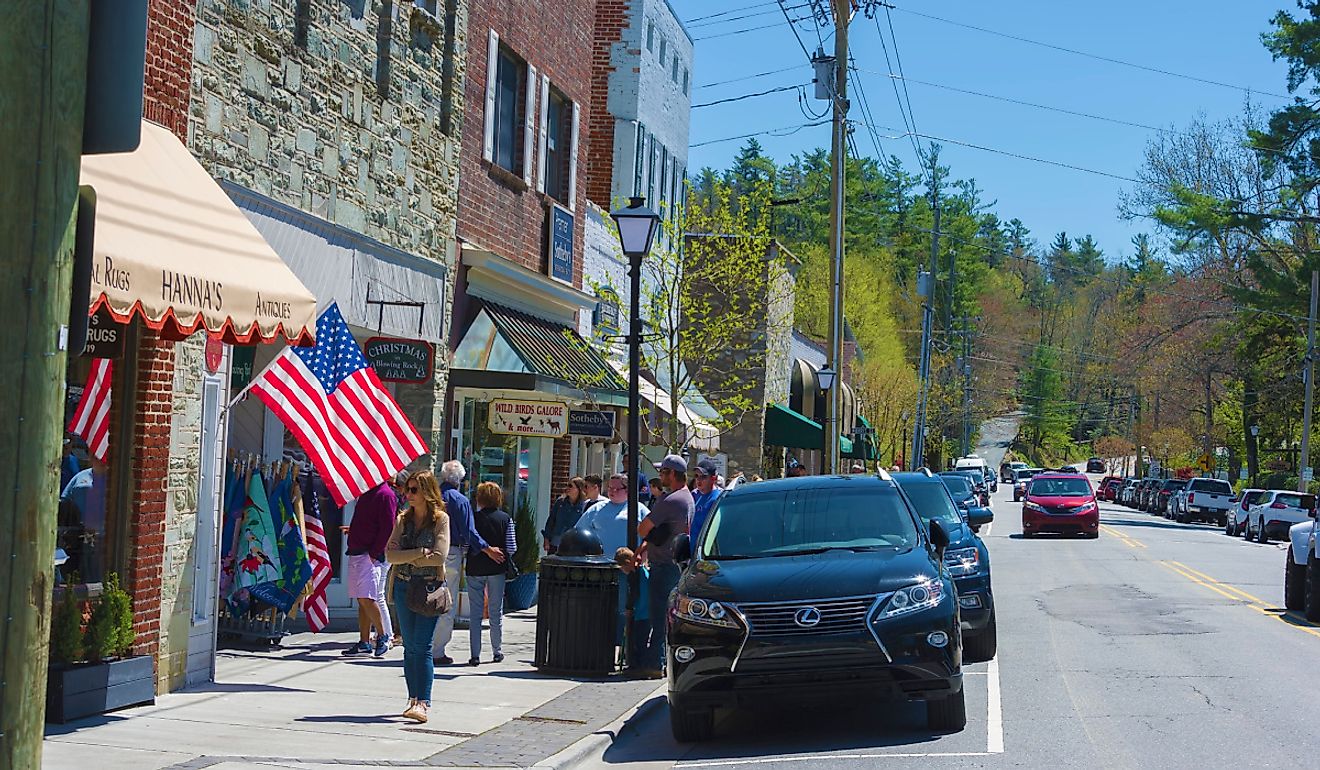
641 630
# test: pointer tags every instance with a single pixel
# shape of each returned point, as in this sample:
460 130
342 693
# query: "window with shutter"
510 76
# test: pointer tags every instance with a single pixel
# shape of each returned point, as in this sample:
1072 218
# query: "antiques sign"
543 419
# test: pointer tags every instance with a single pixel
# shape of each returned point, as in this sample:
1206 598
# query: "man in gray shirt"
668 519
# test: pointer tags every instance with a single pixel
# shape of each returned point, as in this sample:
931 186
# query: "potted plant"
92 672
520 593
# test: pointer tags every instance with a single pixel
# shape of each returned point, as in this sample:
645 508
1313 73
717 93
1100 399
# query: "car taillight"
1279 506
1191 497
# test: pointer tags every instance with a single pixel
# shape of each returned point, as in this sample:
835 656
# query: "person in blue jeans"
485 576
659 531
417 547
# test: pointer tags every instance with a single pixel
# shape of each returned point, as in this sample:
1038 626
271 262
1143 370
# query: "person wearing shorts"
368 533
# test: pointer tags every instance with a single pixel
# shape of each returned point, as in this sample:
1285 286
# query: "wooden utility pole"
1308 376
43 70
838 166
1208 445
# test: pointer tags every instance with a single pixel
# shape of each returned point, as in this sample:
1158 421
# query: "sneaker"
444 660
382 647
418 712
499 658
358 648
474 661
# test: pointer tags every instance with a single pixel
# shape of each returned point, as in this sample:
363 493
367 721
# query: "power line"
1087 54
744 31
712 22
750 77
912 116
902 112
792 24
782 131
690 21
730 99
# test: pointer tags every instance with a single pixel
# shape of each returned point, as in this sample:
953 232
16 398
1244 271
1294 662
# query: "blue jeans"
661 582
418 668
480 589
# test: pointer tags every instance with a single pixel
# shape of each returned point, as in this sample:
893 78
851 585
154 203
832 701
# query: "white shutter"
492 70
544 123
572 161
529 126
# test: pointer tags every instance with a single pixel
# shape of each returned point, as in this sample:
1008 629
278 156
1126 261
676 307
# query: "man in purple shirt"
368 532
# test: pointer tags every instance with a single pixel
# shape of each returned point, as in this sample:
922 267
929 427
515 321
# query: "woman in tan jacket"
418 546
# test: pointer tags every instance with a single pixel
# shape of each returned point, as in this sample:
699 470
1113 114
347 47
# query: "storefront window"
84 518
510 461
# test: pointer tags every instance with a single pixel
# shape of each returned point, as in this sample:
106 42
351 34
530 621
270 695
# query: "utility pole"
1308 376
838 166
967 388
1208 446
43 72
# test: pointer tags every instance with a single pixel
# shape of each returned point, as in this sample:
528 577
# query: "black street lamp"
825 379
637 227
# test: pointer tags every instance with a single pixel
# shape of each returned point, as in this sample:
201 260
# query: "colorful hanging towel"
257 556
294 569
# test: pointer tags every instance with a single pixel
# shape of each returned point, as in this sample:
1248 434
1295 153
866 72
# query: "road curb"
598 740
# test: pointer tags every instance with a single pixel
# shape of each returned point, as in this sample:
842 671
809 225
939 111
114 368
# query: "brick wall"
495 210
169 64
150 461
561 465
611 19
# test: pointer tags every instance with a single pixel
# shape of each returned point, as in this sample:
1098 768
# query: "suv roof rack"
884 474
924 470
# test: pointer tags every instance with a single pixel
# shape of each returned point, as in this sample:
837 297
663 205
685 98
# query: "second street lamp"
637 227
825 378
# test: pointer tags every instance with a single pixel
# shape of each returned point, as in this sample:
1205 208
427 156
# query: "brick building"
518 303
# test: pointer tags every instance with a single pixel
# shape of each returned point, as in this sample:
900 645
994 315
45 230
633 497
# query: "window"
685 81
650 36
674 72
639 160
508 87
664 177
87 517
559 128
664 48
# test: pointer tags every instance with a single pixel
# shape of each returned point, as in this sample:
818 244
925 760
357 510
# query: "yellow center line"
1128 540
1234 589
1240 596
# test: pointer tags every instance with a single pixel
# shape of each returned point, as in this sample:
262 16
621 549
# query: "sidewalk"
305 706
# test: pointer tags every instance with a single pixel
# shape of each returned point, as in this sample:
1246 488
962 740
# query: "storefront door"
520 465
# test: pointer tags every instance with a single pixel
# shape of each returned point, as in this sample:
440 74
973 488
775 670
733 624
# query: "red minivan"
1060 502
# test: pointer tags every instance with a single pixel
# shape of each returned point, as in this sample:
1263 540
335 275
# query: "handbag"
511 571
429 596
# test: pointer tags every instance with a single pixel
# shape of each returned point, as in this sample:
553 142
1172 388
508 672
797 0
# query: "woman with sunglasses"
418 546
564 513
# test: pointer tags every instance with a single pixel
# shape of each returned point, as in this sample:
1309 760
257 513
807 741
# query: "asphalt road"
1157 645
996 437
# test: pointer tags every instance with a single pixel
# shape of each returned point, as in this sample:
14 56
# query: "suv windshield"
960 486
808 521
1210 485
1059 487
932 502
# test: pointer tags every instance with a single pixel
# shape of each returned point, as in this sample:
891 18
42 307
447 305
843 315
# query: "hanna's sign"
400 360
544 419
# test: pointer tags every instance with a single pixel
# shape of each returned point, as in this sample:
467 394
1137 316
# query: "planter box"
520 593
95 688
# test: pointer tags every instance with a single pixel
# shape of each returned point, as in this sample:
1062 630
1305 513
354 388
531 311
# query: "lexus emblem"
807 617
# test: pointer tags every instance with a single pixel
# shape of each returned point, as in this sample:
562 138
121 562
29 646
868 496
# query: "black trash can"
577 614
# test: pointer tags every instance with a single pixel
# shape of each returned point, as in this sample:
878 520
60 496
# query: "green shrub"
66 634
528 557
110 628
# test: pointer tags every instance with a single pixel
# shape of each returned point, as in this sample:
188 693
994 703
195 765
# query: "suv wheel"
1294 583
1246 528
691 725
1312 602
982 646
1261 535
947 715
1228 526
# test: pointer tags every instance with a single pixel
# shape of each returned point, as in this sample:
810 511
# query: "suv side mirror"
938 537
683 549
980 516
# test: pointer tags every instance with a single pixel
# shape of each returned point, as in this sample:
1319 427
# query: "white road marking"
818 757
994 742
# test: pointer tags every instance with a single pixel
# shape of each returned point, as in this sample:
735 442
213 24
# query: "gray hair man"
463 540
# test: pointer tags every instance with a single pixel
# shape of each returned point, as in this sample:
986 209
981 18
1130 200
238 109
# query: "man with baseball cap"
706 493
668 519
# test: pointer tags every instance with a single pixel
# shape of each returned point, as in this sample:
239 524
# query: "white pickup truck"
1301 571
1206 500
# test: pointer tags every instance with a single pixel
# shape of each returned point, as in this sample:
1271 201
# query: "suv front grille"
780 618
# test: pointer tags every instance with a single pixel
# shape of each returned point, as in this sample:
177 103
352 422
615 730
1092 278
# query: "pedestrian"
418 546
485 576
706 493
657 492
659 531
368 534
401 492
633 470
593 484
463 539
609 520
857 468
639 635
564 513
796 469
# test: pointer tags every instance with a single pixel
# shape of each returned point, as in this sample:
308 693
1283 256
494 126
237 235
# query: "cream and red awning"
172 249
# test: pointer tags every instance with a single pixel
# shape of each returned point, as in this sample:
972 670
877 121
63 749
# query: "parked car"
824 587
1273 515
1207 500
1301 571
961 488
967 558
1143 489
1107 487
1020 478
1126 492
1171 505
1159 503
977 480
1148 492
1060 502
1095 465
1237 515
1006 470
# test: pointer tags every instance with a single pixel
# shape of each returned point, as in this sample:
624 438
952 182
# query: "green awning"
865 449
787 428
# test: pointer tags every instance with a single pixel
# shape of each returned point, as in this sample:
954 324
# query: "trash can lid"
580 542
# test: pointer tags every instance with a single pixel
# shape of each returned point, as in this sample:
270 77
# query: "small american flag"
332 401
91 420
315 606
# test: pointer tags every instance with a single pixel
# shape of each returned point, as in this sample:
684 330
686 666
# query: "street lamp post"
825 378
1255 469
637 227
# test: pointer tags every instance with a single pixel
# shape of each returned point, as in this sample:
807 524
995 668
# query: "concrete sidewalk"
304 705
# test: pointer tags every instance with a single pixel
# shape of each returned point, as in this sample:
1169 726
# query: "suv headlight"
1085 508
962 561
705 612
1030 506
921 596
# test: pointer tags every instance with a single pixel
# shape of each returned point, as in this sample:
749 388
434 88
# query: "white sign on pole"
1308 474
1242 474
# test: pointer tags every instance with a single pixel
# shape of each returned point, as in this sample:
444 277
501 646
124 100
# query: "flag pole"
239 396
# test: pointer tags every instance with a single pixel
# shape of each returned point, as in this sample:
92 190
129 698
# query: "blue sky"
1216 40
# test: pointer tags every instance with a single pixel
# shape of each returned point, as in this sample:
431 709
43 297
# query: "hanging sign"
561 244
586 423
400 360
543 419
105 336
214 354
240 366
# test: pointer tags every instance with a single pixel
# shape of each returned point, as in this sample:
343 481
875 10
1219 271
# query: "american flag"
315 607
332 401
91 419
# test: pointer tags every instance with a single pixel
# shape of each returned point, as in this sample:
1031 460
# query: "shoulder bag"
429 596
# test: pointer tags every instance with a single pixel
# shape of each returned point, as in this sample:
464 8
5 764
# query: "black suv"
1095 465
966 557
804 588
